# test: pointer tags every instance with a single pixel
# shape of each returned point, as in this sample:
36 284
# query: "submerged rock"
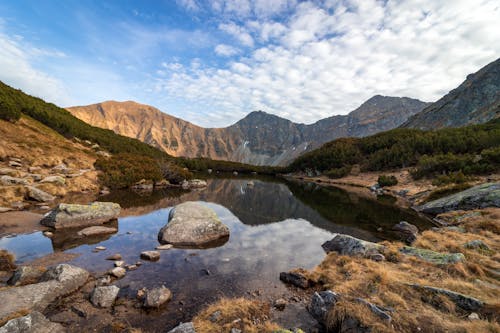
348 245
183 328
192 224
73 215
96 230
481 196
465 302
104 296
35 322
150 255
157 297
440 258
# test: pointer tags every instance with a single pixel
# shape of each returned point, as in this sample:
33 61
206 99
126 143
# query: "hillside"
475 101
259 138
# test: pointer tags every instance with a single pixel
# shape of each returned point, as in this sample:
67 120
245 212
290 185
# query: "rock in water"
183 328
96 230
72 215
192 224
35 322
157 297
104 296
150 255
481 196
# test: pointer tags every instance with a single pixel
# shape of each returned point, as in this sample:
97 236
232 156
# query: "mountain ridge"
259 138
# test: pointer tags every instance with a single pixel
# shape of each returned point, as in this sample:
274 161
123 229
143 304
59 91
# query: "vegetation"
384 180
203 164
471 150
8 111
451 178
448 190
338 172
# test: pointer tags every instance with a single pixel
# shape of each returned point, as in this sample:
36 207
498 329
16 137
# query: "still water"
275 226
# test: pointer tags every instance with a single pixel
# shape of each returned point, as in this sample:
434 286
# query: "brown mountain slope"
259 138
475 101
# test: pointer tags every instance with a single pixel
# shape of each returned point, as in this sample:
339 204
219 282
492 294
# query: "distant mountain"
475 101
259 138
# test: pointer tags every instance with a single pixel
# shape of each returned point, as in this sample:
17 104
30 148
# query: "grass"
7 260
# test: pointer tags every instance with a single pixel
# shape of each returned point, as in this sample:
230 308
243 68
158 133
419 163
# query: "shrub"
8 111
387 180
174 173
454 177
338 172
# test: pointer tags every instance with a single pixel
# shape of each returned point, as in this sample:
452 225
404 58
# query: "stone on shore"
296 278
407 232
96 230
35 322
58 180
481 196
192 224
26 275
104 296
157 297
39 195
348 245
183 328
73 215
439 258
8 180
465 302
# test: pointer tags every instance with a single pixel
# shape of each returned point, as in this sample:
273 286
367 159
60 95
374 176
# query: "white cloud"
226 50
328 57
191 5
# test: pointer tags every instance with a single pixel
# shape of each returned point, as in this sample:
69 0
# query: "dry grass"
7 261
386 283
250 316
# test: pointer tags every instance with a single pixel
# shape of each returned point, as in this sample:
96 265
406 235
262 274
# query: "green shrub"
174 173
384 180
8 111
491 155
338 172
452 178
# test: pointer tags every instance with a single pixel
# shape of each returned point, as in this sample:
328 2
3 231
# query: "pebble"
473 316
280 304
48 234
115 257
119 263
132 267
100 248
164 247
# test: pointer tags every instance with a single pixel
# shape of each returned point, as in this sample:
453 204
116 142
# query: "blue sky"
212 62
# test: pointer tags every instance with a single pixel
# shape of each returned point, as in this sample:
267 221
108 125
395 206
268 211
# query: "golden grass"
250 316
386 283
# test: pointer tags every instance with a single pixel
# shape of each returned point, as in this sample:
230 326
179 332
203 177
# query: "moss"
432 256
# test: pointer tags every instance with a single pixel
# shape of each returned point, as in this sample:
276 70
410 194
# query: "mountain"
259 138
475 101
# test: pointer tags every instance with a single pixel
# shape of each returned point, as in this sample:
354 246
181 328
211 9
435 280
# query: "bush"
387 180
339 172
8 111
452 178
124 170
174 173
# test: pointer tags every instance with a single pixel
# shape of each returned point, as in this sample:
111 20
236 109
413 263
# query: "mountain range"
259 138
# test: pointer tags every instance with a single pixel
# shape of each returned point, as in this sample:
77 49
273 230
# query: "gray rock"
118 272
280 304
183 328
33 169
9 172
26 275
192 224
439 258
35 322
235 330
72 215
96 230
473 316
35 176
150 255
463 301
57 281
295 278
114 257
407 232
15 164
104 296
164 247
215 316
39 195
348 245
321 303
5 209
54 179
157 297
477 244
8 180
481 196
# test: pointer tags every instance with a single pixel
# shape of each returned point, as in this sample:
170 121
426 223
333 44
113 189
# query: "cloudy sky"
212 62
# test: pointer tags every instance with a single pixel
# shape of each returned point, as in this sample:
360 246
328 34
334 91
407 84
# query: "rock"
407 232
250 184
44 207
115 257
463 301
477 244
104 296
8 180
150 255
103 280
439 258
321 303
143 185
376 257
26 275
35 322
35 176
96 230
192 224
235 173
183 328
54 179
48 234
163 183
34 169
348 245
60 168
197 183
164 247
236 330
280 304
118 272
157 297
119 263
73 215
132 267
10 172
15 164
58 281
481 196
296 278
19 205
5 209
473 316
100 248
66 317
215 316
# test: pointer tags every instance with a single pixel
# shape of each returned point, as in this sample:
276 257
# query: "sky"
212 62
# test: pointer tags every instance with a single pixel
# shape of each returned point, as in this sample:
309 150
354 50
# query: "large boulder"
57 281
352 246
481 196
192 224
439 258
73 215
34 322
